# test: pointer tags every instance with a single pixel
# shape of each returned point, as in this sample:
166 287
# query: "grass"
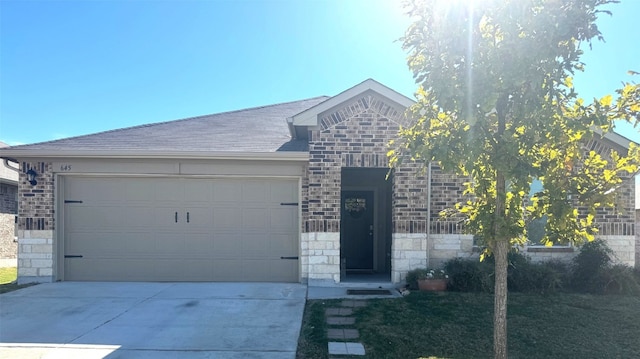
8 277
459 325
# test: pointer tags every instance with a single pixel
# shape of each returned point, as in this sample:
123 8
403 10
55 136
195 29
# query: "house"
8 212
293 192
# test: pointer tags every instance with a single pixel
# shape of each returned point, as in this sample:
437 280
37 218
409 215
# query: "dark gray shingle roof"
258 129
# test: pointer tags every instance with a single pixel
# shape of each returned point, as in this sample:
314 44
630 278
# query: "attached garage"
179 229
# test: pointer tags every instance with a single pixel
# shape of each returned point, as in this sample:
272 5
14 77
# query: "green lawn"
8 278
8 275
459 325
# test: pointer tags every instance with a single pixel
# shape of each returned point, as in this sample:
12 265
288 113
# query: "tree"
496 103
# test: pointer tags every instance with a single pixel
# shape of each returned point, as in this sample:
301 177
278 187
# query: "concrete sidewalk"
152 320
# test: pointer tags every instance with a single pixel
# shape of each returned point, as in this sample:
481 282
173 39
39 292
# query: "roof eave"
123 154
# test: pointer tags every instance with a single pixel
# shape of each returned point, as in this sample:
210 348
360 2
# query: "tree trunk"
502 245
500 299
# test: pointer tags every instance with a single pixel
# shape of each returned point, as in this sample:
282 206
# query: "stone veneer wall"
36 224
356 136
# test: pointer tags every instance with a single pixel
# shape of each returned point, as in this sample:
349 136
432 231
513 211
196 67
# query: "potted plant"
432 280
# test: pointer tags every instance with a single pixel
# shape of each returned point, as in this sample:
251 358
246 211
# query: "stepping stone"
342 334
353 303
345 348
341 320
338 311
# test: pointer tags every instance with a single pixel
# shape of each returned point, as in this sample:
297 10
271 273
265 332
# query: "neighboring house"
297 192
8 212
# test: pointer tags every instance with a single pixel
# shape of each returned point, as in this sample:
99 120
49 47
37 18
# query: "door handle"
176 217
187 217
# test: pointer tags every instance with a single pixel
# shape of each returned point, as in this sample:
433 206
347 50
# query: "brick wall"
36 224
617 221
8 198
357 135
36 203
446 191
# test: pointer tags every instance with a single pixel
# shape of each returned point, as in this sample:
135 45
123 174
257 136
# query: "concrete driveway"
152 320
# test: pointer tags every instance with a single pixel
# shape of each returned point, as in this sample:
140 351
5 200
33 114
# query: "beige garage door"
179 229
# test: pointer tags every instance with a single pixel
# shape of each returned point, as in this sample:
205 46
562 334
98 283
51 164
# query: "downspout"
428 250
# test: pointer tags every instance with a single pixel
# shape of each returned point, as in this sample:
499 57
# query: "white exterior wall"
320 259
35 256
624 248
408 251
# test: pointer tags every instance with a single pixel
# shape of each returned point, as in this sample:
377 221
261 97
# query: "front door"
356 234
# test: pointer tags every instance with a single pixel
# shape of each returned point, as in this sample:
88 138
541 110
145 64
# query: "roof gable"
311 117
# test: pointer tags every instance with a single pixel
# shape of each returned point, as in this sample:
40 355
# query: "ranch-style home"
292 192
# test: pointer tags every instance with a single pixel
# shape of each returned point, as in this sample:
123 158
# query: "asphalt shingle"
258 129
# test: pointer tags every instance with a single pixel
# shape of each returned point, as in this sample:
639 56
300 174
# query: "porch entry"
365 225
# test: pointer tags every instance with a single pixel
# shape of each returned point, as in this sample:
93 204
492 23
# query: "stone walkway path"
341 337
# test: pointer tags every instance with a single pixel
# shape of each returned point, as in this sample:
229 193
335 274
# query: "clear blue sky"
69 68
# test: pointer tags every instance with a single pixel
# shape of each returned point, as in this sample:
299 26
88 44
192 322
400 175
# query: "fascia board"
310 117
46 154
614 137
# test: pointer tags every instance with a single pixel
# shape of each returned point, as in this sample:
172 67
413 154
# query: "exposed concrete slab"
340 291
152 320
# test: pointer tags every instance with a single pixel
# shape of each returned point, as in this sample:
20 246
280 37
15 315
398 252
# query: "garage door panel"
228 270
167 190
280 245
283 192
137 216
138 190
227 245
198 245
227 218
102 217
95 189
198 218
283 218
170 244
254 219
226 191
254 192
198 191
167 217
254 245
126 229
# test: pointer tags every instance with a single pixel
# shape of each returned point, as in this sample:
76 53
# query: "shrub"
594 272
617 279
469 275
593 258
541 278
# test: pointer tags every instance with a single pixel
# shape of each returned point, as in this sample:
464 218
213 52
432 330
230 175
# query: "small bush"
593 258
594 272
617 279
470 275
540 278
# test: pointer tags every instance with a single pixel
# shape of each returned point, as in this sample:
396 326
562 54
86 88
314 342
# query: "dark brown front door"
356 235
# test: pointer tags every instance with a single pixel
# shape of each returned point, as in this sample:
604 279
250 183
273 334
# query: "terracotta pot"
432 285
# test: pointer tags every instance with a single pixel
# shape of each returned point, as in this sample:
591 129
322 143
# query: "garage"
179 229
